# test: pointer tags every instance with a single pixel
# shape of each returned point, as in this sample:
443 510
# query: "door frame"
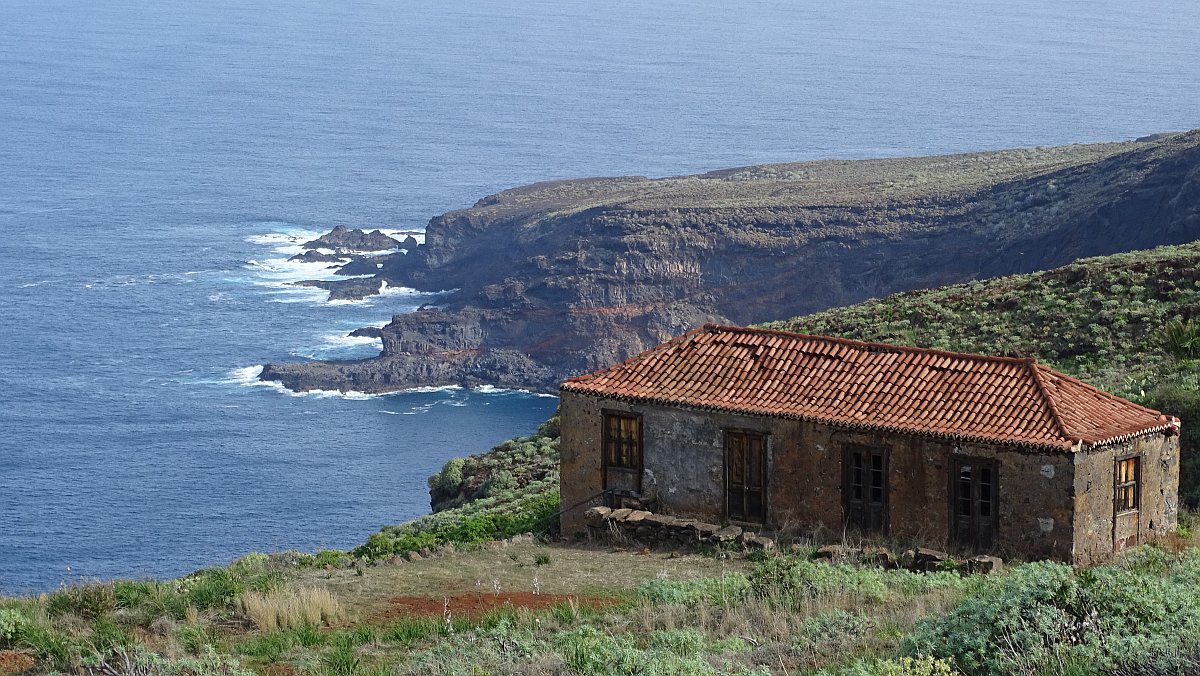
976 463
869 451
726 434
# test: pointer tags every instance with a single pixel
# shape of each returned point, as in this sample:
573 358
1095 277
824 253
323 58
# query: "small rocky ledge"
653 529
649 528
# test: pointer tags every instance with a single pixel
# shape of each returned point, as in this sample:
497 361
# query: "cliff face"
560 278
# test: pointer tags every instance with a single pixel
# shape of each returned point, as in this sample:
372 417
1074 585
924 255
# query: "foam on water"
248 376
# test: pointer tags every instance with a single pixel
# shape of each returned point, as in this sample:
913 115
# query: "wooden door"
975 503
865 488
746 476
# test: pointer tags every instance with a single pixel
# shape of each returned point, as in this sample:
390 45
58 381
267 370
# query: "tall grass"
290 608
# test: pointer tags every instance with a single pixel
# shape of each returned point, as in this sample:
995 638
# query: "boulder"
314 256
636 515
727 534
659 520
838 553
879 556
343 238
908 560
984 564
619 514
595 515
930 560
702 531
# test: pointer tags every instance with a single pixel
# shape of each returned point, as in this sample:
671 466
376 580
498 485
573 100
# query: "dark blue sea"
159 161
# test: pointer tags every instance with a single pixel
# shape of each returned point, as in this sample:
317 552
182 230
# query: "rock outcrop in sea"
559 278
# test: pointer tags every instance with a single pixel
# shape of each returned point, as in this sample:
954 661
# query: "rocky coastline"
554 279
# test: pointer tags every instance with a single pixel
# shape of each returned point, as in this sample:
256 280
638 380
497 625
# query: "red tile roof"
849 383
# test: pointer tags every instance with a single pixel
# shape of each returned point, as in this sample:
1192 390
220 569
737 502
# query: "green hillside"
1103 320
1128 323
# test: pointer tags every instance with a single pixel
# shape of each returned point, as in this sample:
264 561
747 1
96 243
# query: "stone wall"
1038 508
1097 524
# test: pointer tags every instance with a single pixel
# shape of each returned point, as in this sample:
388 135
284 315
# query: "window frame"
606 441
1120 504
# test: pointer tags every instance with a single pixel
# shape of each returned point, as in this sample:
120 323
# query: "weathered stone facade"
1052 503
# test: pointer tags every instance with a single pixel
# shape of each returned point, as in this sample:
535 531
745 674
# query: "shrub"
788 578
408 630
923 665
12 622
1044 613
724 591
89 601
268 647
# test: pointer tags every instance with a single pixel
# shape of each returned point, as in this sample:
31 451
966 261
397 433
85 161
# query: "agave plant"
1183 338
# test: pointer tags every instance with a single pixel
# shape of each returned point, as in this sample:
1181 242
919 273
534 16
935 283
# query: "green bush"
923 665
729 589
12 622
89 601
1045 613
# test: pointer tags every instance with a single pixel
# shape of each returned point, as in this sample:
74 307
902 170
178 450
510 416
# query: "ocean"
159 162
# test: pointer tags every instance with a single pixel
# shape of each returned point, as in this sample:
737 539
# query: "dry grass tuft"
289 608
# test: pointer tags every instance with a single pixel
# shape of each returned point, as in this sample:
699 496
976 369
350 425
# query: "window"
1126 486
622 441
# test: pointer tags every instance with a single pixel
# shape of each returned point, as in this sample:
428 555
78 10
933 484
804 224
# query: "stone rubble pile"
649 528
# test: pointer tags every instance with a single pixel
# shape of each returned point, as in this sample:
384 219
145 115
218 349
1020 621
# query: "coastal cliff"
559 278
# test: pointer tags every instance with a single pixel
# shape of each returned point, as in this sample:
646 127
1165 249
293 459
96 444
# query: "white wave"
345 341
430 388
492 389
249 377
399 235
385 291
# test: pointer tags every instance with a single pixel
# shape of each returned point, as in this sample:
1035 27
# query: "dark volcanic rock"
314 256
346 289
343 239
560 278
409 244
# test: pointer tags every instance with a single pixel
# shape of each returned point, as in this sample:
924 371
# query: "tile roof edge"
1062 445
714 328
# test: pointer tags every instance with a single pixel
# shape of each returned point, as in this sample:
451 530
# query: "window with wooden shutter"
1125 486
622 441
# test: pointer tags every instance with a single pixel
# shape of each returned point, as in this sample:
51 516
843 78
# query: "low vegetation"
510 490
446 594
587 609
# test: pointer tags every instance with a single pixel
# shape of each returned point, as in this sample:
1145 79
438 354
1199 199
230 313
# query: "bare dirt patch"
479 604
15 662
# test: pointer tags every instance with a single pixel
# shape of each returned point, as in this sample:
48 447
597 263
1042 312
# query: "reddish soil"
15 661
476 605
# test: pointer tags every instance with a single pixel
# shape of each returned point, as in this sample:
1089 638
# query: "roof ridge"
1088 386
1036 372
712 328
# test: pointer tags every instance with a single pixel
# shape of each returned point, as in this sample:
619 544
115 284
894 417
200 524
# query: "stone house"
776 429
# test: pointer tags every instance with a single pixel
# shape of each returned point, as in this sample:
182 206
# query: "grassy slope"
1099 319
